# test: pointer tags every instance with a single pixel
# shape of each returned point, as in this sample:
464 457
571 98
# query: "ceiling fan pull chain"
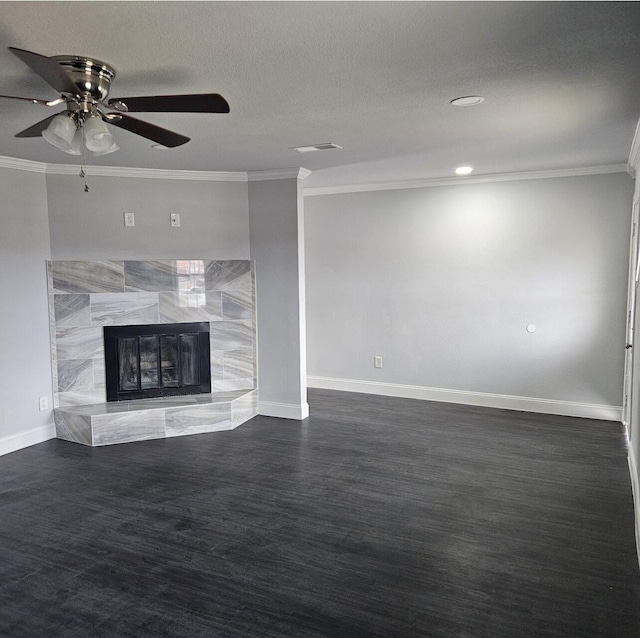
83 173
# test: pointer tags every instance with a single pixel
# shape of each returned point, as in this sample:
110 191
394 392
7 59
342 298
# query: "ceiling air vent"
325 146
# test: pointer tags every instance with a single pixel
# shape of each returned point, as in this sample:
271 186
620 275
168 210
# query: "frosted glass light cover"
60 132
97 136
112 149
76 144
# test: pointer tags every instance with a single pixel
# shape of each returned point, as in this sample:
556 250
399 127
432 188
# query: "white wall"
633 426
25 369
214 218
442 283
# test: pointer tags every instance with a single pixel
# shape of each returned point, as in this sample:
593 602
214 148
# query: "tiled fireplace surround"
84 296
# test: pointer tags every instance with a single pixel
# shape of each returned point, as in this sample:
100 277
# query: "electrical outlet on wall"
44 403
175 220
129 219
377 361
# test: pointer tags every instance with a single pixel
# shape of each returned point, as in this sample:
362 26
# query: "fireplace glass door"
156 360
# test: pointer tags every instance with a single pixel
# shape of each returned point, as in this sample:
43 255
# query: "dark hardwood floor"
376 517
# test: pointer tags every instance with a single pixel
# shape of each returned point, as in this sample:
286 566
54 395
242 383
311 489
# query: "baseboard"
506 402
635 488
25 439
284 410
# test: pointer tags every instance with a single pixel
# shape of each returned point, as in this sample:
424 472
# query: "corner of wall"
635 488
16 442
633 165
25 369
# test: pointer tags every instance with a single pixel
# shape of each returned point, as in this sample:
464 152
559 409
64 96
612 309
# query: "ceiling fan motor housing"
92 77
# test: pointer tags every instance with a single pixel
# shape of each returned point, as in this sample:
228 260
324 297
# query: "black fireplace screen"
156 360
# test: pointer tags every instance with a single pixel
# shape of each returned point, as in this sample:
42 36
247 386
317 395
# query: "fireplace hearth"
156 360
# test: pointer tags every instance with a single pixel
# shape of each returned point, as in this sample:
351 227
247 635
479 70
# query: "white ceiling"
561 82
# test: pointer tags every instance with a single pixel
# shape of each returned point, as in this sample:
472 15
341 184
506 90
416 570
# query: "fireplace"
157 360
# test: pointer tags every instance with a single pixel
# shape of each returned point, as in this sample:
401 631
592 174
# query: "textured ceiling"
561 82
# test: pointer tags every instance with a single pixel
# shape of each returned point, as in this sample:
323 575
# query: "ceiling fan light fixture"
112 149
76 144
97 137
60 133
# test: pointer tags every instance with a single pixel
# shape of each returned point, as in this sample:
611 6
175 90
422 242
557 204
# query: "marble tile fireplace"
87 296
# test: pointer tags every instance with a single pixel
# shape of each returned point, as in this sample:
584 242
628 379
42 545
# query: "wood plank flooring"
376 517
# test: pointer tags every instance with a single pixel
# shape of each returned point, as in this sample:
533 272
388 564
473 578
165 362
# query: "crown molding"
152 173
278 173
461 181
120 171
633 166
146 173
22 165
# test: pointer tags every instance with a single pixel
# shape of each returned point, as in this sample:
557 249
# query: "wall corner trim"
278 173
463 181
18 441
294 411
635 488
634 154
466 397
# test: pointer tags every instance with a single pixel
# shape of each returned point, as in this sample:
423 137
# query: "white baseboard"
507 402
284 410
635 488
25 439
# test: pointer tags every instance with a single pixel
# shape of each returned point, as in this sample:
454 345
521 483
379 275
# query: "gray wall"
25 369
442 283
277 246
89 226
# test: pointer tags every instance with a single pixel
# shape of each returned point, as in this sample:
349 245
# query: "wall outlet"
44 403
175 220
129 219
377 361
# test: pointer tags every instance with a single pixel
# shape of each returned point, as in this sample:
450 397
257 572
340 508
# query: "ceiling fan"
83 84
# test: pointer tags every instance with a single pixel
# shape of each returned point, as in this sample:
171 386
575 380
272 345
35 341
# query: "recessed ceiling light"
464 170
467 100
325 146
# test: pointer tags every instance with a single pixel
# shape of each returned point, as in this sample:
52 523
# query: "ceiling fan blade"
36 129
145 129
34 100
195 103
49 70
